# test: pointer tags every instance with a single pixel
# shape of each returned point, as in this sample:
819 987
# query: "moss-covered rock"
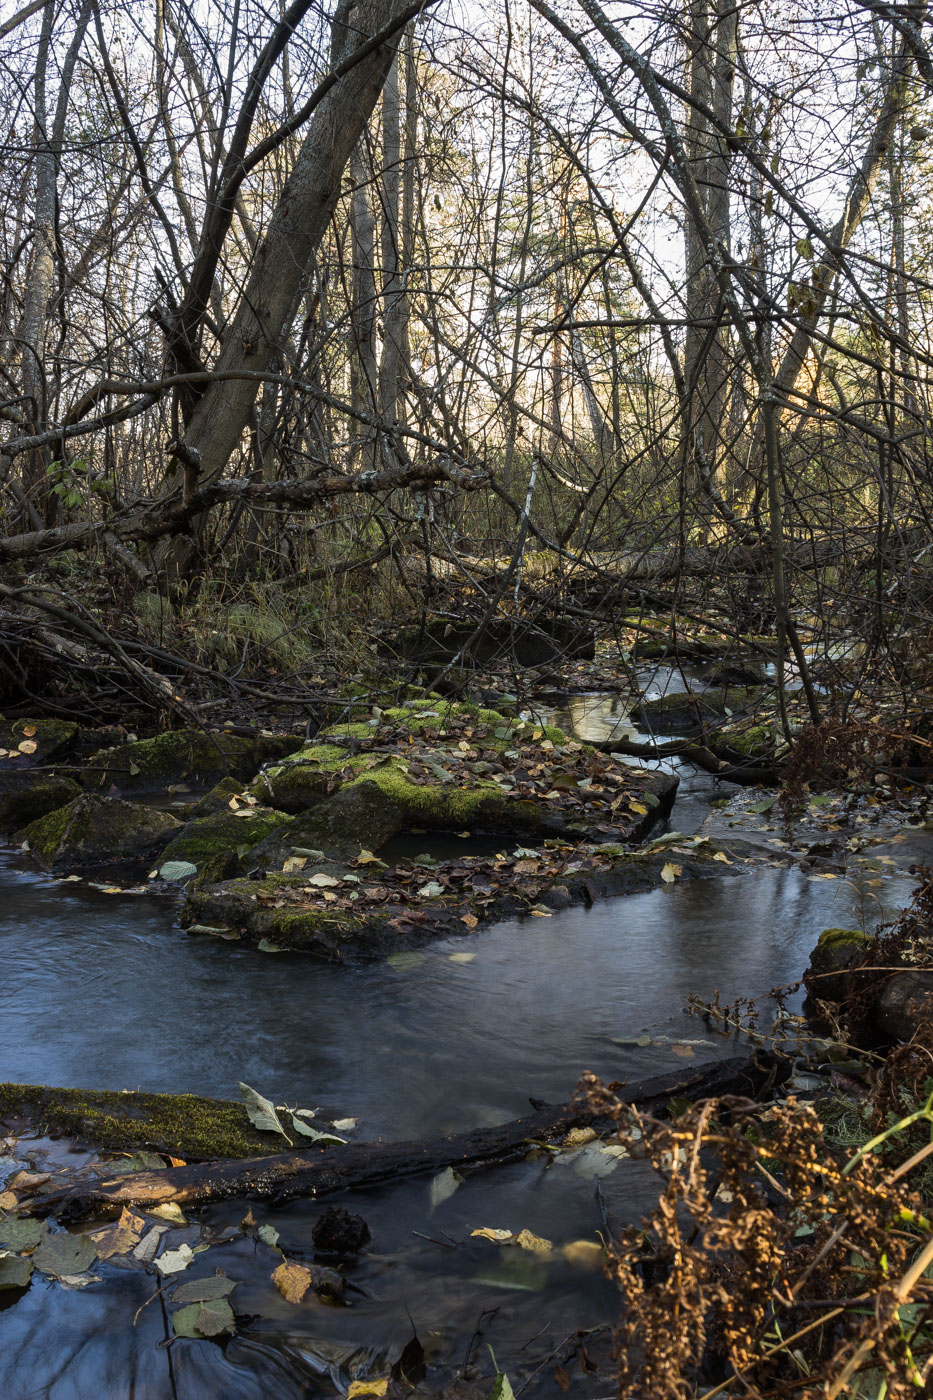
26 795
183 1125
835 952
94 830
359 816
218 844
343 914
690 712
292 787
218 799
29 742
182 755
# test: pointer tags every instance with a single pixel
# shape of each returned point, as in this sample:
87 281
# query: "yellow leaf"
27 746
578 1137
29 731
637 807
685 1052
722 858
670 872
292 1281
378 1387
587 1254
538 734
462 957
8 1200
294 864
487 1232
469 919
233 804
526 1240
367 858
171 1212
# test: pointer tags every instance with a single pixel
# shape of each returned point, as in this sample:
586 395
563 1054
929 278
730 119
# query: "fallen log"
322 1171
746 774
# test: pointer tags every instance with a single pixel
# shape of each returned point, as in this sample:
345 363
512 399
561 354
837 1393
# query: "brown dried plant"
771 1266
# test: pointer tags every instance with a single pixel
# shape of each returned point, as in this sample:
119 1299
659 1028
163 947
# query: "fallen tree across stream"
322 1171
747 774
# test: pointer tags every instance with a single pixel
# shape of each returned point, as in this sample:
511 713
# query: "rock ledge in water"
95 830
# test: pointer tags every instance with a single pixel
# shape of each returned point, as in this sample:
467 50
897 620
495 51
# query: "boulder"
359 816
218 844
28 742
94 830
26 795
182 755
905 1004
827 977
690 712
292 787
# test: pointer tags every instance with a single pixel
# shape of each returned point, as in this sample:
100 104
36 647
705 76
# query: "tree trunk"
285 254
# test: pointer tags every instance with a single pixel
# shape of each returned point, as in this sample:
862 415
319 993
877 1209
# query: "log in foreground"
321 1171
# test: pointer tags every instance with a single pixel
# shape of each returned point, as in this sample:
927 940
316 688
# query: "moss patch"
27 795
95 830
686 713
182 755
182 1125
223 837
52 738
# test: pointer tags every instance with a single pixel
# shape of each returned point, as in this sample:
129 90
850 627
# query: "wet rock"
292 787
339 1231
218 799
732 673
182 755
358 816
219 844
557 898
94 830
690 712
837 949
30 742
26 795
905 1004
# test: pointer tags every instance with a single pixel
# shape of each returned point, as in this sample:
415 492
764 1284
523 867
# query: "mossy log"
321 1171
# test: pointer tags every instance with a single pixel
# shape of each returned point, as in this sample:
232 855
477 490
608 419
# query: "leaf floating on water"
204 1290
373 1387
77 1280
487 1232
171 1212
535 1244
177 870
502 1389
587 1254
174 1260
685 1052
119 1238
265 946
639 1040
146 1249
345 1125
670 872
443 1186
597 1159
14 1272
764 806
313 1133
404 962
65 1254
22 1234
462 957
212 1318
260 1111
292 1281
269 1235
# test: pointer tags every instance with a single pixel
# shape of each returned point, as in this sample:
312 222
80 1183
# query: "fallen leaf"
65 1254
345 1125
404 962
22 1234
638 807
172 1212
432 890
533 1243
204 1290
294 864
367 858
292 1281
670 872
260 1111
177 870
685 1052
212 1318
174 1260
27 746
502 1389
374 1387
322 881
121 1237
470 920
146 1249
487 1232
579 1137
29 731
722 858
587 1254
8 1200
269 1235
443 1186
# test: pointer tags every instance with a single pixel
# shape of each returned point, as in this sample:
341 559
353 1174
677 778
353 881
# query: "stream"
104 989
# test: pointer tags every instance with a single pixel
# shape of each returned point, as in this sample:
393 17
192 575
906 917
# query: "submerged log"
747 774
321 1171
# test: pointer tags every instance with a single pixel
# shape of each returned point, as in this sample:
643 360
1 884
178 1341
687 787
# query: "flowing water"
105 989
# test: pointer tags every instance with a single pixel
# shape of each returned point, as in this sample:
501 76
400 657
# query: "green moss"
26 795
224 834
182 1125
832 938
758 739
218 799
45 835
52 737
181 754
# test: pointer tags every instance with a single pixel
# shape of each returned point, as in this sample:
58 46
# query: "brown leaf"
562 1377
292 1281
